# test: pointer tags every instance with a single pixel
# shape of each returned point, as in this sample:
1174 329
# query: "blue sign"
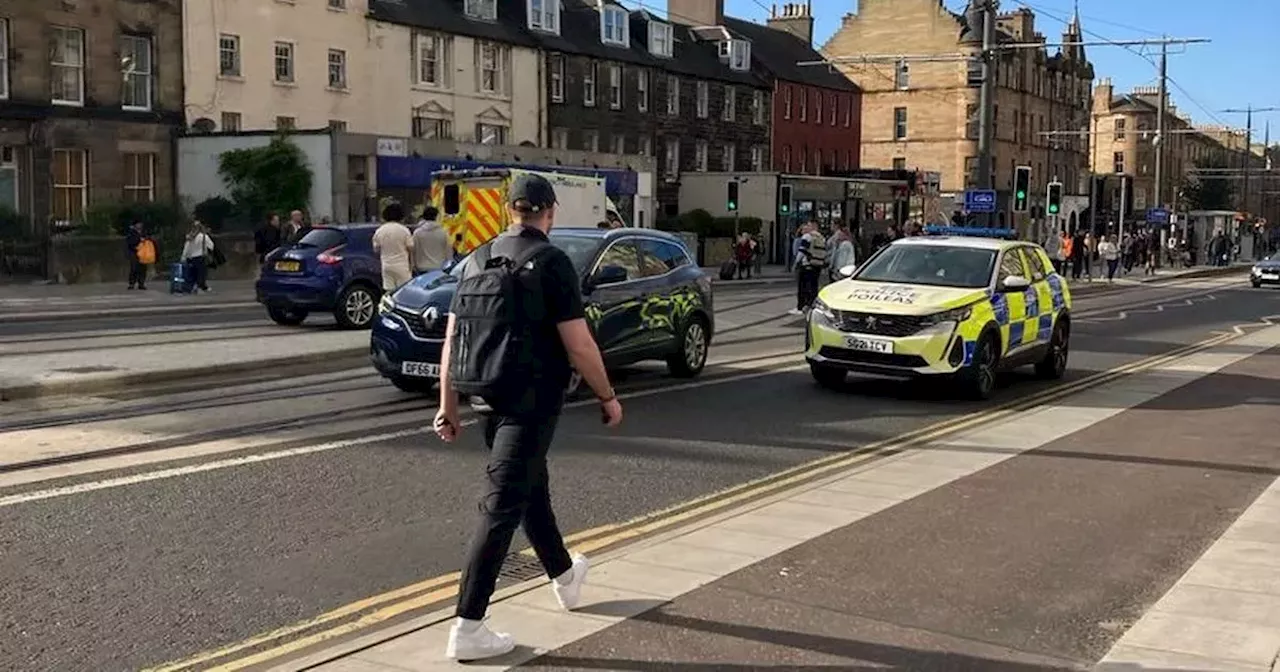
408 172
980 200
1157 216
973 231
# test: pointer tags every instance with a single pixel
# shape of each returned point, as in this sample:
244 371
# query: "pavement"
290 519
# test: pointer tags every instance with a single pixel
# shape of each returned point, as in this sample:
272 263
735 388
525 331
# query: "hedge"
705 225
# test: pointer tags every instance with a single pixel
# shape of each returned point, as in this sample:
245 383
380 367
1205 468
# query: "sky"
1239 67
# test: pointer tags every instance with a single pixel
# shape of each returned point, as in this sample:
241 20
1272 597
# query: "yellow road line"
603 536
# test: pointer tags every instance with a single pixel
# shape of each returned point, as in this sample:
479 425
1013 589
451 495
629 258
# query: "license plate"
1271 276
420 369
289 266
868 344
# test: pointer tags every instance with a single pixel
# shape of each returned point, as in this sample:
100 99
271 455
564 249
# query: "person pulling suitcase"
516 330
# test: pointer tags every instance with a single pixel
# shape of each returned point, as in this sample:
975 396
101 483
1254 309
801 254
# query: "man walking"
516 330
431 248
267 238
394 244
141 252
810 260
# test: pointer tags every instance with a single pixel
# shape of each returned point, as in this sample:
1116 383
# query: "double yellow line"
386 606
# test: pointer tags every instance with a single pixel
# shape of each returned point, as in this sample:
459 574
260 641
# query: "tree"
1209 190
271 178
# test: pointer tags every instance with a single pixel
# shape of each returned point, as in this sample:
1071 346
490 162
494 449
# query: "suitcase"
180 279
728 269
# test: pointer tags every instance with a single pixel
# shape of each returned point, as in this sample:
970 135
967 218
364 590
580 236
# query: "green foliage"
214 212
112 219
12 224
274 177
1212 193
702 223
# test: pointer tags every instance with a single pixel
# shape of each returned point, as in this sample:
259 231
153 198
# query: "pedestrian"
268 237
195 254
811 258
1090 253
431 250
140 251
393 243
795 248
1110 253
1053 245
742 251
293 229
515 332
842 250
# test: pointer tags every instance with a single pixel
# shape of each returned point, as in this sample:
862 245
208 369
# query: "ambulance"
472 204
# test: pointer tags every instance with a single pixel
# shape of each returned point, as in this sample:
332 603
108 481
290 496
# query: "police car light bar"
970 231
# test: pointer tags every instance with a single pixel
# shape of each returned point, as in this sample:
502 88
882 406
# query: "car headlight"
1257 270
954 315
386 305
821 313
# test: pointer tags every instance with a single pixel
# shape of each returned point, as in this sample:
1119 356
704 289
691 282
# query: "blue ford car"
331 269
645 299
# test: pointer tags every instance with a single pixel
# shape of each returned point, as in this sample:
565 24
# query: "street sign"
980 200
1157 216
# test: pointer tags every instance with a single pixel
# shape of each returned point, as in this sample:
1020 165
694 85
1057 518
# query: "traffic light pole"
1159 192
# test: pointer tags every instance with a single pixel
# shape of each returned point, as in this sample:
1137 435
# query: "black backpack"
497 308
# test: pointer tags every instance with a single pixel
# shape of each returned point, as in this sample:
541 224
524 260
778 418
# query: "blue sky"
1240 66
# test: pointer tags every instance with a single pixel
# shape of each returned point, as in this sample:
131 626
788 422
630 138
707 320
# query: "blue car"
645 299
331 269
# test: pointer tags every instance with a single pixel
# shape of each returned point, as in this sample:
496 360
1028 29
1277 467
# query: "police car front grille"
879 325
418 325
875 358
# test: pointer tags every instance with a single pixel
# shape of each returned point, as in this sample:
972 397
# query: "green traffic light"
1022 195
1053 209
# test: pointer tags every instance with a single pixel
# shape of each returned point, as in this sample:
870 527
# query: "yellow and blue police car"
957 303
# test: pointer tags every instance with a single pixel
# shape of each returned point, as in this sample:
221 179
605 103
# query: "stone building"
922 114
90 99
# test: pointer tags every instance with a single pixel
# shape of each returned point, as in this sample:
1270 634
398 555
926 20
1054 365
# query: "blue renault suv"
331 269
645 299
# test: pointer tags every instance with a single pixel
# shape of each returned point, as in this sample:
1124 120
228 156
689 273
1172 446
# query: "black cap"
531 193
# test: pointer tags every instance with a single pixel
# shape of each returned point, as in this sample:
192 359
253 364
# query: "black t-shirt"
561 302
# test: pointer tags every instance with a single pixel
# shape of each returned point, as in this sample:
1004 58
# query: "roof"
960 241
778 52
447 16
586 232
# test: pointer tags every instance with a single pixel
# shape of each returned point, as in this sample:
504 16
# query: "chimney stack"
696 12
796 18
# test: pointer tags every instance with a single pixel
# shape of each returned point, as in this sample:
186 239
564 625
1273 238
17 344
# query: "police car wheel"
979 378
1054 364
827 376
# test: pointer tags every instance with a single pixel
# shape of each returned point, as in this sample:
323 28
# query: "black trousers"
807 286
137 273
199 272
518 495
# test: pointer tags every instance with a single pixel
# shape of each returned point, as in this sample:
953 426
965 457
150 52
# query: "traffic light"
784 199
1055 198
1021 188
732 198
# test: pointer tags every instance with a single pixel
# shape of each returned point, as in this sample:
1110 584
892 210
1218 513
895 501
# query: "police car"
960 304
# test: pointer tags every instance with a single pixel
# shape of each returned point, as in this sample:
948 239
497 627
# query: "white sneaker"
473 640
795 311
568 586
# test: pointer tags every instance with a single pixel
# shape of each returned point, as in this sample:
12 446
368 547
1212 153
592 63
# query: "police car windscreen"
938 265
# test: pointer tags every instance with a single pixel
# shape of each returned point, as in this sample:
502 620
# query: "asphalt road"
118 576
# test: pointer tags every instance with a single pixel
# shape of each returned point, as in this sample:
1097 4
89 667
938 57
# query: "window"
482 9
729 111
700 155
286 123
817 107
615 87
700 101
660 39
804 160
229 55
66 63
848 159
136 69
589 85
1117 162
433 56
70 186
646 146
899 123
619 143
557 78
757 108
591 141
671 255
786 158
1039 269
671 157
432 127
491 67
673 95
899 163
729 158
337 69
1119 129
804 110
231 122
832 106
560 138
284 63
902 76
642 90
139 178
971 122
848 111
757 158
817 161
338 125
4 58
625 256
786 103
1011 264
740 55
613 26
491 134
545 15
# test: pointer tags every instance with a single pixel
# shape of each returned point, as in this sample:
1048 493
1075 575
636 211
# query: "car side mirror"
847 271
1014 283
608 275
